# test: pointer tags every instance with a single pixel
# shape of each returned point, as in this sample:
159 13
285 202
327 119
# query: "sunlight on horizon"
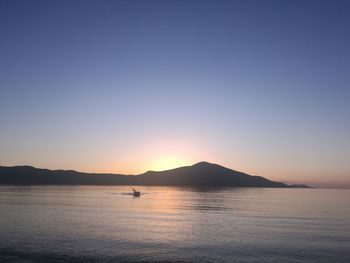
167 163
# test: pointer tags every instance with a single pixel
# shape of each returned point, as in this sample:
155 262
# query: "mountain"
31 175
200 174
205 174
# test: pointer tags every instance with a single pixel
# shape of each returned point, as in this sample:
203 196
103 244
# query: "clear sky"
127 86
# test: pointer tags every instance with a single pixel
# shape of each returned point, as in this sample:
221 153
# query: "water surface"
105 224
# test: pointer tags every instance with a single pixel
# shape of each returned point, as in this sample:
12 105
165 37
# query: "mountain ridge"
199 174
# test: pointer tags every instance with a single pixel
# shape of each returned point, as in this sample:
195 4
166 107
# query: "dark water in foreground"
103 224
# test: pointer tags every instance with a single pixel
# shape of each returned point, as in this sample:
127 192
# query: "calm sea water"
105 224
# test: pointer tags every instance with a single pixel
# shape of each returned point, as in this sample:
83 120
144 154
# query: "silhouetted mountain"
32 175
205 174
200 174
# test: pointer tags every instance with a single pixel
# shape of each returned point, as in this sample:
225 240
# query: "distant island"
200 174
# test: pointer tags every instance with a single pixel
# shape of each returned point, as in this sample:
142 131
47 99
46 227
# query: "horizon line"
313 185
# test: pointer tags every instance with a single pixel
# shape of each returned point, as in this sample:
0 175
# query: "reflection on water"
107 224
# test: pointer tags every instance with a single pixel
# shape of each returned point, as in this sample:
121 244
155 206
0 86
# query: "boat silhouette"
136 193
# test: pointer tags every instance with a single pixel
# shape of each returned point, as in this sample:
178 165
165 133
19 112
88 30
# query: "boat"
136 193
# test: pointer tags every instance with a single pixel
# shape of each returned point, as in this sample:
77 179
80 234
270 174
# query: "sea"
173 224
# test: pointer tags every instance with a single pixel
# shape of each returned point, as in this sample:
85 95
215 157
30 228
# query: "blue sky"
127 86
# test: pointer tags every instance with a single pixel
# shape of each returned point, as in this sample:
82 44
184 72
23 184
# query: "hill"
205 174
200 174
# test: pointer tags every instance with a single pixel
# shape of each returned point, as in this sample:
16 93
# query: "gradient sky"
127 86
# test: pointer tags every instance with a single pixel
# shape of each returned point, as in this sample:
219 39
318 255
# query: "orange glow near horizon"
158 154
167 162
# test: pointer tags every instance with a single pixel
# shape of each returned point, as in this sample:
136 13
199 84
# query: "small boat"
136 193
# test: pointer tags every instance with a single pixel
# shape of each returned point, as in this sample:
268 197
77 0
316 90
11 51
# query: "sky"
261 87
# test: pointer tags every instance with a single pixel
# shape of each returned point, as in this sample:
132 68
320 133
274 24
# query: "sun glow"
159 154
166 163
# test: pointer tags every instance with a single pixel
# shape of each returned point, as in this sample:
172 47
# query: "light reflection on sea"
104 224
